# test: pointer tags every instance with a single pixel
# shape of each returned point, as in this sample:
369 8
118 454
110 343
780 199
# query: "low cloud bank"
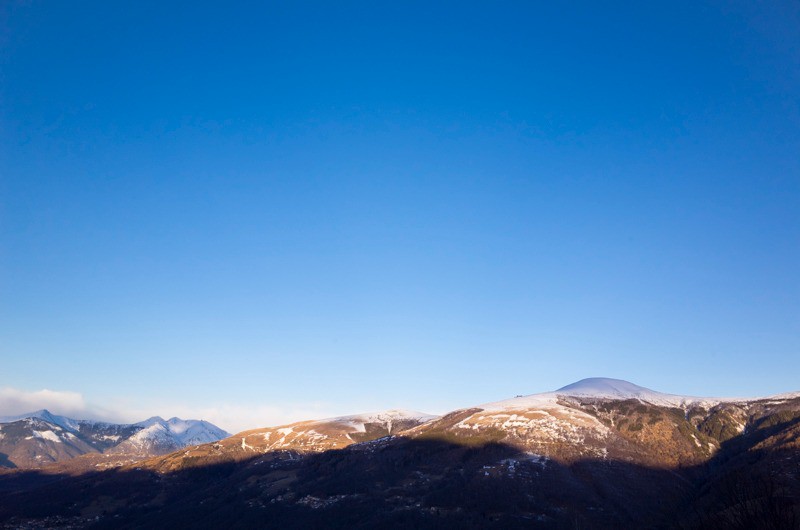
66 403
13 401
231 416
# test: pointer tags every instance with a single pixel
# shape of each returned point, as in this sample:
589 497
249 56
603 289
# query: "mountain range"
40 438
599 453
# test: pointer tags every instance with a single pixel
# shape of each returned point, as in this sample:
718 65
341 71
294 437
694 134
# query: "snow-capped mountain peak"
153 420
159 435
619 389
44 415
605 387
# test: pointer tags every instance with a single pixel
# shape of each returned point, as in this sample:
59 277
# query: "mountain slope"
596 454
599 418
304 437
33 442
609 419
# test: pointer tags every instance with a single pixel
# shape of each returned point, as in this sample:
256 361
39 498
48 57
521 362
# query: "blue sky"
261 212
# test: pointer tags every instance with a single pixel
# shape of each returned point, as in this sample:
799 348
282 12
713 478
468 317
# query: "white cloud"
14 401
233 417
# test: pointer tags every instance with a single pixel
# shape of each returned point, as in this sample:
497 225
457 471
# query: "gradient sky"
265 212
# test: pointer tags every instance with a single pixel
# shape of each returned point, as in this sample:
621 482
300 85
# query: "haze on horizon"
261 213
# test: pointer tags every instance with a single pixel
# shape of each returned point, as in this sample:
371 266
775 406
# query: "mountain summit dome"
606 387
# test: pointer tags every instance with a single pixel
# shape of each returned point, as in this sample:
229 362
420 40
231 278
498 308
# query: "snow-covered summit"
153 420
193 432
44 415
605 387
159 435
608 388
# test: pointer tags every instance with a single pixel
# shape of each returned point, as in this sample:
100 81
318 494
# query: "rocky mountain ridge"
594 418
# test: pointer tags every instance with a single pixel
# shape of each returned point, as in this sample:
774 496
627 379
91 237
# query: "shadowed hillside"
398 482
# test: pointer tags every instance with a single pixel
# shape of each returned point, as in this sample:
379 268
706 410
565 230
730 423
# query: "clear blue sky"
426 205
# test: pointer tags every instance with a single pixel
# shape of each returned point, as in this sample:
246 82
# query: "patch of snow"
356 425
537 459
386 416
47 435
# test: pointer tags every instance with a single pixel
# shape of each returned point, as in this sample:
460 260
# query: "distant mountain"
157 436
39 438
